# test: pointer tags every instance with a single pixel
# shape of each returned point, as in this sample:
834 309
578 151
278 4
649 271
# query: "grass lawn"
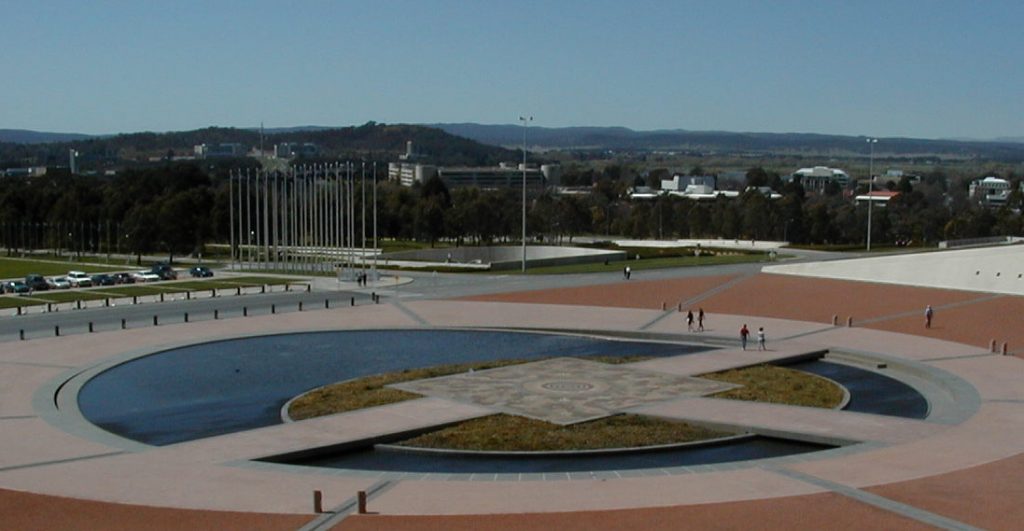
19 267
140 290
509 433
779 385
13 301
68 296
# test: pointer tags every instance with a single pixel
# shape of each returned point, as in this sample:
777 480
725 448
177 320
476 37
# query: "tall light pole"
526 122
871 181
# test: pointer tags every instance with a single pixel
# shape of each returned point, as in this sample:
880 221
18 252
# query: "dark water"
229 386
388 460
871 392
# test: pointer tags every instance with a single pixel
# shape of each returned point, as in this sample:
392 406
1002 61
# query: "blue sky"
931 69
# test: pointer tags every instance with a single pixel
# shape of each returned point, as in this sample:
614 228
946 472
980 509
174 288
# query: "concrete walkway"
901 474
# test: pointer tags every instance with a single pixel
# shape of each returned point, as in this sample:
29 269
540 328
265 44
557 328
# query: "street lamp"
526 122
871 180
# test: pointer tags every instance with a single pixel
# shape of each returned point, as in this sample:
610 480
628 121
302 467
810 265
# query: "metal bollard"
327 304
49 307
188 295
186 317
21 334
90 327
56 330
300 306
309 288
662 305
361 495
19 310
849 321
245 311
124 324
318 502
273 309
135 299
155 322
238 290
835 320
992 346
679 307
353 301
263 289
78 304
1006 348
216 314
213 293
106 302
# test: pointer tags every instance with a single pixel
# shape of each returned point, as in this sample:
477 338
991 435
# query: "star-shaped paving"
563 390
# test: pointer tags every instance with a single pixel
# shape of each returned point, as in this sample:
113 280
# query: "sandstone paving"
489 314
28 441
994 376
805 423
331 430
812 511
995 432
141 479
18 384
481 497
726 358
928 468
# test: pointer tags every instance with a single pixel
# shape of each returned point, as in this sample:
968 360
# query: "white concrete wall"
989 269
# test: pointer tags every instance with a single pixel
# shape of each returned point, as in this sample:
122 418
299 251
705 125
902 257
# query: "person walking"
928 313
760 339
744 332
700 319
689 321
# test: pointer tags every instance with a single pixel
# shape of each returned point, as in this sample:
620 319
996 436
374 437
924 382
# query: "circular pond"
227 386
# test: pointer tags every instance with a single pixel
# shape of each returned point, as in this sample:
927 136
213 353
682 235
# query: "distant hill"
371 140
622 138
22 136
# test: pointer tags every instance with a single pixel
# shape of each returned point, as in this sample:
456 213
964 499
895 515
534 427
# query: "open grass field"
17 268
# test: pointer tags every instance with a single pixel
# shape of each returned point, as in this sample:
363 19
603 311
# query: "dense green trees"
176 208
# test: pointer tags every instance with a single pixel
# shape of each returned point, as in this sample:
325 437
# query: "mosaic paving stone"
562 390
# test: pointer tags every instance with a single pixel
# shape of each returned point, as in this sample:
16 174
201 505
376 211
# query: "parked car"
36 282
16 286
200 271
123 278
78 279
103 279
164 271
58 283
145 276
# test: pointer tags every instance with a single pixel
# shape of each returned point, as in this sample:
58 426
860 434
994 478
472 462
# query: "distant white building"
681 183
991 191
818 177
208 151
483 177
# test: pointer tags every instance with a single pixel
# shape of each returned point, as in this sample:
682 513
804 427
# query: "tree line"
177 209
